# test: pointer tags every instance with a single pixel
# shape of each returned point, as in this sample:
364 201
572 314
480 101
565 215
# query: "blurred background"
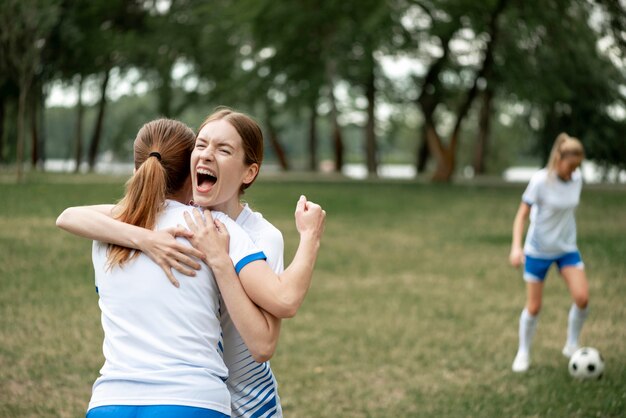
433 89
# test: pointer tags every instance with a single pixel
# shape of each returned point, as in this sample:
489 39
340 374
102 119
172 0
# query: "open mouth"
205 180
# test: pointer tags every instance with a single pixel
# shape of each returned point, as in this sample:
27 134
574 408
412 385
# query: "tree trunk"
484 125
78 129
34 131
2 121
97 132
165 93
427 103
422 154
278 148
273 137
21 116
446 155
313 137
337 138
370 126
41 161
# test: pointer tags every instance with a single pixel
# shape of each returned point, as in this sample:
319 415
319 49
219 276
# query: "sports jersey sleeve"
242 250
273 246
532 190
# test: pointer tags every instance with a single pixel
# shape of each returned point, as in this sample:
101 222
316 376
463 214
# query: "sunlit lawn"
413 309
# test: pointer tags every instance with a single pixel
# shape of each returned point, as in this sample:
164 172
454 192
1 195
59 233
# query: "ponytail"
162 152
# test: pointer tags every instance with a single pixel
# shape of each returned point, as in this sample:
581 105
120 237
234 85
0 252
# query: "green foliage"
412 312
279 59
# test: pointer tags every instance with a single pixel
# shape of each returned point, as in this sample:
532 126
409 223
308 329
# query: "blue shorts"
152 411
535 269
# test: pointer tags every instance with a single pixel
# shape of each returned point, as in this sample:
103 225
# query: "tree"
26 25
432 89
566 83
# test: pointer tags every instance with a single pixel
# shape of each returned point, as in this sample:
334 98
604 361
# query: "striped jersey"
252 386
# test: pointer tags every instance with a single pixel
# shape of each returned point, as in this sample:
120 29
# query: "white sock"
576 319
527 326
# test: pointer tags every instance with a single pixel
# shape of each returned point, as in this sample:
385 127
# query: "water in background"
592 173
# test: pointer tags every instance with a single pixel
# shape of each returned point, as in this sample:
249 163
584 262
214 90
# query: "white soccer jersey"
552 230
162 345
252 386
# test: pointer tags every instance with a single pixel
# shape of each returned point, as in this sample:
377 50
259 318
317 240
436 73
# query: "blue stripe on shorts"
536 269
152 411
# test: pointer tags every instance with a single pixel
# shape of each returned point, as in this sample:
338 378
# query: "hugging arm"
259 330
97 223
280 295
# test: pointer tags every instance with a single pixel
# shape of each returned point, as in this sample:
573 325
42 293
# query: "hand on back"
163 248
209 237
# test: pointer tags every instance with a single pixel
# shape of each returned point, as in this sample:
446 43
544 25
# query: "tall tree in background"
25 26
484 21
121 25
566 82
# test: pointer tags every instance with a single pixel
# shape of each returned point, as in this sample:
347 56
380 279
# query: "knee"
533 308
581 300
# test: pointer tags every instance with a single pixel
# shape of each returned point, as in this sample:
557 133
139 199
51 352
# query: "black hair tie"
155 154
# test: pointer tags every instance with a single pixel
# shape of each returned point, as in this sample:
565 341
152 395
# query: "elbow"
62 220
290 310
263 352
287 308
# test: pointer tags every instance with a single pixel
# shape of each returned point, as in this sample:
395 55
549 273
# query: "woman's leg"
528 324
576 280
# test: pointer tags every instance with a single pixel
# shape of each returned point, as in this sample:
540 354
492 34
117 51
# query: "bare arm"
282 294
97 223
516 257
258 329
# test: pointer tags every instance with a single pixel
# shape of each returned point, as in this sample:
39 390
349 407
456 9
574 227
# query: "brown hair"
250 133
162 152
565 146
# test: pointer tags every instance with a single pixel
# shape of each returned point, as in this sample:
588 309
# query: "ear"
250 174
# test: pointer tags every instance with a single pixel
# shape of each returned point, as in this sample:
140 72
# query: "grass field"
412 313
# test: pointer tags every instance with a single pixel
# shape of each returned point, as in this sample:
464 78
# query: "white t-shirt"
163 345
252 386
553 202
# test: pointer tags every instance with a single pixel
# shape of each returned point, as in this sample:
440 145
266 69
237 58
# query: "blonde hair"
162 152
565 146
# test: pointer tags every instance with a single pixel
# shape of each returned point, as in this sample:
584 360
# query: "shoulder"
231 225
262 231
540 176
172 214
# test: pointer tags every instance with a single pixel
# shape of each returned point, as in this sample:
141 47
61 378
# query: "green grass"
413 310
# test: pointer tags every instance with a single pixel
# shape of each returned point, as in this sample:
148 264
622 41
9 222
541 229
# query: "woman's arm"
282 294
258 329
516 257
97 223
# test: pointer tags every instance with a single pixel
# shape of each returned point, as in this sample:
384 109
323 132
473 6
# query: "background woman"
551 199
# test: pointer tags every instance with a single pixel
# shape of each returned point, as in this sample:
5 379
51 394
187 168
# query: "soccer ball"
586 363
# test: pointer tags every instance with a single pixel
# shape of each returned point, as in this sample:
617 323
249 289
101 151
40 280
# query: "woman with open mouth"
225 161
